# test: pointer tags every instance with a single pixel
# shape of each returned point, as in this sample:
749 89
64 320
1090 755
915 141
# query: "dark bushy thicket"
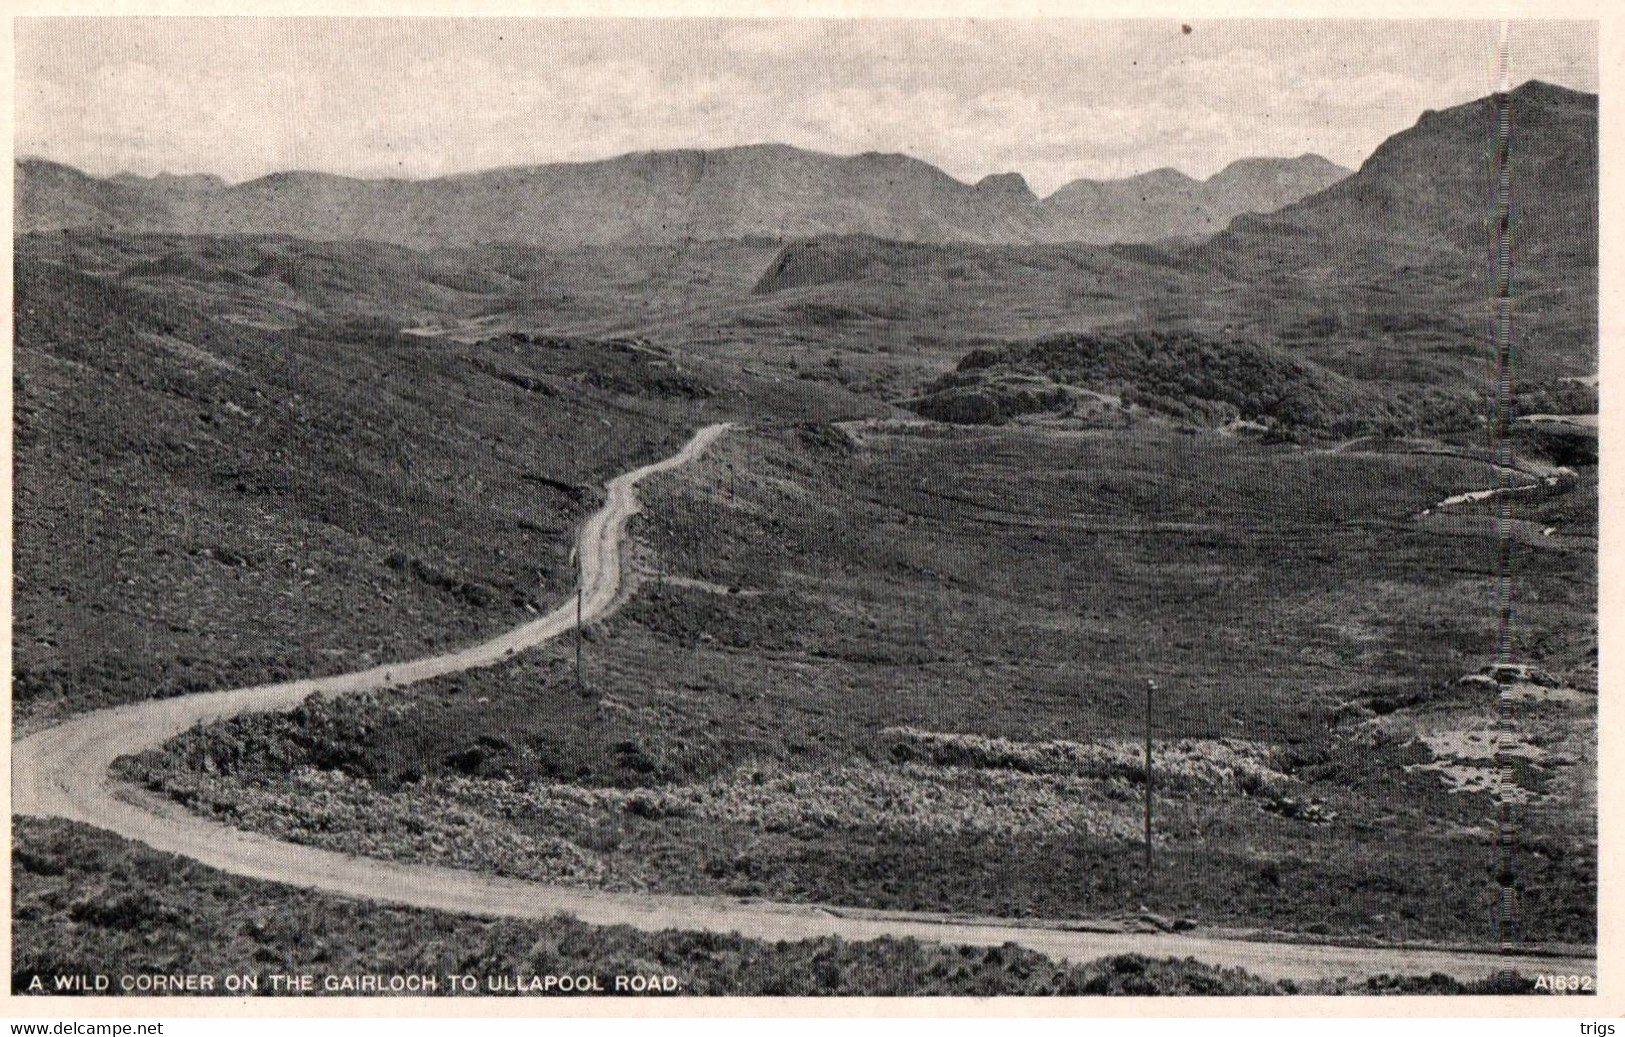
1209 381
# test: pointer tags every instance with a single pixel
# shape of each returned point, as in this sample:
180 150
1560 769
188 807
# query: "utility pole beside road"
1150 688
575 557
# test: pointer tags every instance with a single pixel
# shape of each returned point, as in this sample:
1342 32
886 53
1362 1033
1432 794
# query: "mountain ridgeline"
1380 276
659 197
1166 204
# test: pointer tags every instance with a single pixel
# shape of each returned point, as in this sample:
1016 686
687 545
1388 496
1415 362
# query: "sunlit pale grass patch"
910 797
1189 764
927 784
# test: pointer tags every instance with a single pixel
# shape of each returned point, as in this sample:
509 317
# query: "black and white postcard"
697 507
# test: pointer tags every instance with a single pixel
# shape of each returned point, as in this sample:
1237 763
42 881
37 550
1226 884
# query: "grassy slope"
1278 595
284 282
203 504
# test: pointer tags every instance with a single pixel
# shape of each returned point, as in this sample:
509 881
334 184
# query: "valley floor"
902 666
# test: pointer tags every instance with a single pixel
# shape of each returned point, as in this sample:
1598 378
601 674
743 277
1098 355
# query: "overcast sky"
1053 100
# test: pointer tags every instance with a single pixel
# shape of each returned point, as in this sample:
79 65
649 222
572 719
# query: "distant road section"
63 771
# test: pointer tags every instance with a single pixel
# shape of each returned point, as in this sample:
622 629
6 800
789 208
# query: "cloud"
1053 99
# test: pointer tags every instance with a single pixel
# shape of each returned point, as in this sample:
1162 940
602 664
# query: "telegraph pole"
575 556
1150 687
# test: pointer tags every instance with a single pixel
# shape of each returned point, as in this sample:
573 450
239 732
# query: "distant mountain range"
661 197
1381 275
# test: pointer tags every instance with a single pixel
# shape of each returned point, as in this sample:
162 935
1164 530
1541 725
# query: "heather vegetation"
85 902
205 504
886 644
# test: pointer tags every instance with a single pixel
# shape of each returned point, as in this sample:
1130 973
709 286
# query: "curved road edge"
63 771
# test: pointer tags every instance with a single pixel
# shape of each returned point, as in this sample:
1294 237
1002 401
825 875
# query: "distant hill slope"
1380 276
1427 190
1166 203
768 190
407 493
50 196
869 292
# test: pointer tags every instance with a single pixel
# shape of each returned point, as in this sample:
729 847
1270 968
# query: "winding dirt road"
63 771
